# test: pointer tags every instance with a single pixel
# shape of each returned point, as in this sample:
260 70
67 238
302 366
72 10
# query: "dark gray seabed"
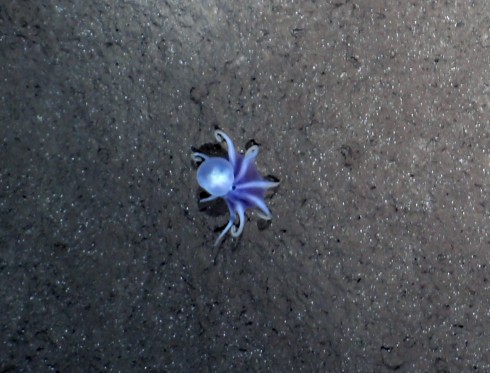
373 114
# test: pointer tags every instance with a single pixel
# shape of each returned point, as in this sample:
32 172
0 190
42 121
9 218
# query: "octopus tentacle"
262 184
259 203
221 136
224 231
237 231
230 224
247 160
199 157
208 199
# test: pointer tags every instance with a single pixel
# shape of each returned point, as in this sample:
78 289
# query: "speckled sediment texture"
374 115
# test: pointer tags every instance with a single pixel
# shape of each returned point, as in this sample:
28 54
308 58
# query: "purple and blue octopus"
236 180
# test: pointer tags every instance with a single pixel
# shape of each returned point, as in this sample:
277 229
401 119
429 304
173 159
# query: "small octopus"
236 180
